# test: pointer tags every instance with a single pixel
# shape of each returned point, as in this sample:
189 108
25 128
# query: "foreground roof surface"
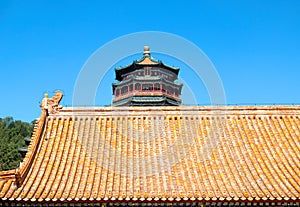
160 154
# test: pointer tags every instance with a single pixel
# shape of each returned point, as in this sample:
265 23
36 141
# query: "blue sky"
254 46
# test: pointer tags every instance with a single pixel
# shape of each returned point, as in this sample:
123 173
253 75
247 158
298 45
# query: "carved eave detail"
49 106
52 104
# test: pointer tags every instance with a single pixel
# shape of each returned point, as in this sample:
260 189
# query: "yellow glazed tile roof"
148 61
160 154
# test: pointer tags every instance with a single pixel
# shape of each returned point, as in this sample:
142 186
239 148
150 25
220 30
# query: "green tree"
12 134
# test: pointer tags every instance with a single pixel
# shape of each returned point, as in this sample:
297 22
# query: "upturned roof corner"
51 105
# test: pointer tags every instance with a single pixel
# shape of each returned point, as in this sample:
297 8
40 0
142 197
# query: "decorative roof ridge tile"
181 110
48 106
52 104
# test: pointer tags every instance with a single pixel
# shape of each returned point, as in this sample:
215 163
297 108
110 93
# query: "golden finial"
146 51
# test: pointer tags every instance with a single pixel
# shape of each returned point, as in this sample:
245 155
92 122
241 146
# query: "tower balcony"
147 93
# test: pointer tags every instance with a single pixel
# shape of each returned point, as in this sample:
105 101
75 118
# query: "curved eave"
121 70
158 100
27 139
174 69
124 67
22 149
143 99
18 175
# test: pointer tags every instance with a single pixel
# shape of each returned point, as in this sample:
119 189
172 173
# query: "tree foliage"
12 134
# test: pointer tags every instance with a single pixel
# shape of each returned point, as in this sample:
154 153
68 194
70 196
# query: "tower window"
156 86
170 90
137 86
124 90
147 87
163 88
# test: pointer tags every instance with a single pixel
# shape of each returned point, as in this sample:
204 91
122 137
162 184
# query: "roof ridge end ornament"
52 104
147 51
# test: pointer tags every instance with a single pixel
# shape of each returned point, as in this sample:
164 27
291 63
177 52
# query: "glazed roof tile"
160 153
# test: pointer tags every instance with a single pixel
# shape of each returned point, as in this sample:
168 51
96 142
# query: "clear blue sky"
253 44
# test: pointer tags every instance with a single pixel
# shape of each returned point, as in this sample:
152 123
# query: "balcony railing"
146 93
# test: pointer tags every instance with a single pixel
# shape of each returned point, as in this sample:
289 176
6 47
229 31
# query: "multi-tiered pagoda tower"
147 82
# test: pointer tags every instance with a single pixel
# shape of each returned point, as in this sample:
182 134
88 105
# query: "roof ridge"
22 171
212 108
48 106
18 175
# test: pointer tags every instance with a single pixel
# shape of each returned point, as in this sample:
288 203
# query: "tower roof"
146 60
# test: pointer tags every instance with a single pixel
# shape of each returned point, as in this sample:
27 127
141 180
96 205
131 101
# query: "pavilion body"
147 82
158 155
